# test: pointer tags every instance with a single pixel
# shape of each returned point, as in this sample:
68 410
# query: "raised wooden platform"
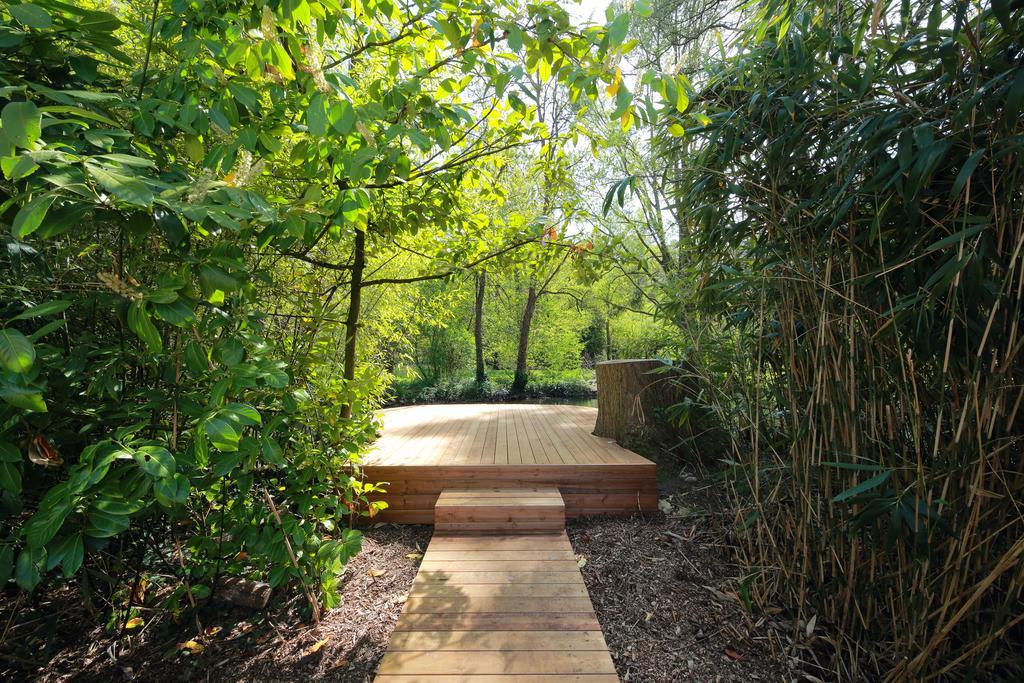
424 449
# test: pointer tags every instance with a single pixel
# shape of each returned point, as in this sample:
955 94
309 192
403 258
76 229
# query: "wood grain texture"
486 447
497 608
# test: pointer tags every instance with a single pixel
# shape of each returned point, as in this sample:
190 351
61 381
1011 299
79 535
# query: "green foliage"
570 385
172 191
854 183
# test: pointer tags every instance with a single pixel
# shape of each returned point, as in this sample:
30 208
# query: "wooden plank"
448 663
456 566
457 589
500 678
573 621
538 492
476 554
521 641
506 542
499 501
490 526
502 604
506 577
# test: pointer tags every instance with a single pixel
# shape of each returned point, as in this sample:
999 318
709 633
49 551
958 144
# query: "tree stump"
629 394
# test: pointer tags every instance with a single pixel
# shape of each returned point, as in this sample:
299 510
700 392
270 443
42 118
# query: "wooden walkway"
499 596
424 449
493 608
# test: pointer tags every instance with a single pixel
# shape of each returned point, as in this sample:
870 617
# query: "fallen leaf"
581 561
339 664
733 655
377 572
810 625
315 647
191 646
665 506
415 556
139 596
135 622
212 631
42 453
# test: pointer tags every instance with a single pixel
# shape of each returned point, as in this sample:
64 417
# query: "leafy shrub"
543 384
148 414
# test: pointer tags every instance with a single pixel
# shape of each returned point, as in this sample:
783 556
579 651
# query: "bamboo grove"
852 178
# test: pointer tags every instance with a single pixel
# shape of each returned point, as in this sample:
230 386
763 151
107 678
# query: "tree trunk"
607 339
522 374
352 319
478 327
630 393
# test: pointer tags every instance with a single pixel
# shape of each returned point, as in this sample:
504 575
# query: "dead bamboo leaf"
377 572
191 646
315 647
810 625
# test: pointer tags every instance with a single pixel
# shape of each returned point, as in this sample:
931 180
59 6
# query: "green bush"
573 384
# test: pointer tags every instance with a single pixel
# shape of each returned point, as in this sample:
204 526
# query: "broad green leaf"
177 313
214 278
16 352
22 397
242 414
226 462
44 309
195 359
10 477
30 216
9 452
272 452
28 571
222 434
31 15
69 553
155 461
22 123
104 523
47 521
316 115
172 490
140 323
127 189
345 120
618 29
16 168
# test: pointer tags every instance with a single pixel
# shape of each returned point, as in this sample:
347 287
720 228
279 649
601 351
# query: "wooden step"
527 510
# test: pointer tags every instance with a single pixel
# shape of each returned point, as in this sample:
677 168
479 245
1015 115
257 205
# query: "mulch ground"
666 598
662 585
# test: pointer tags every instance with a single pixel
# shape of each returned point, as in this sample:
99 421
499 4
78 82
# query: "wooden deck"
424 449
485 609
